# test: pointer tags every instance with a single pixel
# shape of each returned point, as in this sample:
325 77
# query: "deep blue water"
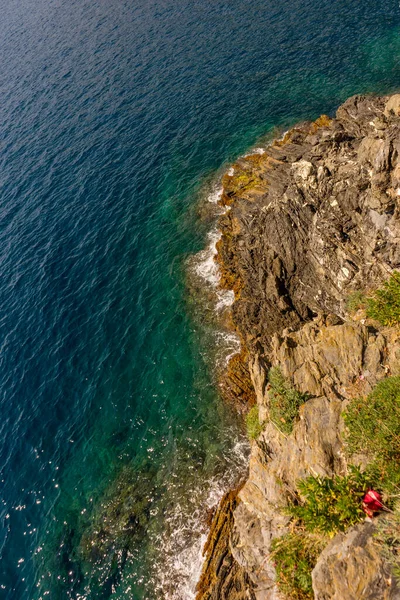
114 120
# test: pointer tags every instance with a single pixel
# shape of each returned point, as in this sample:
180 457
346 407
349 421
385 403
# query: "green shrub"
253 424
331 504
285 401
384 304
373 429
295 555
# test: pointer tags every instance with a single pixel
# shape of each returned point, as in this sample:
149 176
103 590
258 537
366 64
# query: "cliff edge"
311 236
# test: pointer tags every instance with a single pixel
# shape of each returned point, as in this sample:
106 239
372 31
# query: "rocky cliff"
312 220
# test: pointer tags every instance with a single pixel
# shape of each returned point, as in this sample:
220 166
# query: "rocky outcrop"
332 362
311 220
351 567
339 360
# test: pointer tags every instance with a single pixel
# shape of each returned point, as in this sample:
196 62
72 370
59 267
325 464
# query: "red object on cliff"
372 502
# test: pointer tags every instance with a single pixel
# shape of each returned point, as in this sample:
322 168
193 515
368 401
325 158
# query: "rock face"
312 219
339 360
235 383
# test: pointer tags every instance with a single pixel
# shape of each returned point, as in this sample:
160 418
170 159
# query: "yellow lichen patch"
248 177
255 159
287 138
237 182
322 121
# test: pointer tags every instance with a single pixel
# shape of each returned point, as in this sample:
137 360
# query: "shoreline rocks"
313 219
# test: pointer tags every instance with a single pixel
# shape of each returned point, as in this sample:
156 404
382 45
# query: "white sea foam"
283 135
185 530
228 343
255 151
215 194
206 267
225 298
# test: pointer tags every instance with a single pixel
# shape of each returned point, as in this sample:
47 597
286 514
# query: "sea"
117 121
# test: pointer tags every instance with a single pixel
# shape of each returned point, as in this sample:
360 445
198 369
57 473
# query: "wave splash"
186 529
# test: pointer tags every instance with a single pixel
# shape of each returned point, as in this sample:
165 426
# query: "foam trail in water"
182 549
206 266
215 196
228 343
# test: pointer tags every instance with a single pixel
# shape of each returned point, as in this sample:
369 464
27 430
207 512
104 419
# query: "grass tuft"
253 424
387 538
384 304
373 430
295 555
355 301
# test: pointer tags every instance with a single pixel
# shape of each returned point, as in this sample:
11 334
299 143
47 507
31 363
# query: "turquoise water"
116 121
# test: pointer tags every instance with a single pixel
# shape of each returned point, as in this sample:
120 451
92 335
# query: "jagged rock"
334 361
392 106
222 577
277 461
351 568
235 384
341 360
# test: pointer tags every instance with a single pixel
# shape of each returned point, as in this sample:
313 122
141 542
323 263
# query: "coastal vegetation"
373 430
284 404
294 556
384 304
356 301
285 401
387 538
331 504
328 505
253 425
